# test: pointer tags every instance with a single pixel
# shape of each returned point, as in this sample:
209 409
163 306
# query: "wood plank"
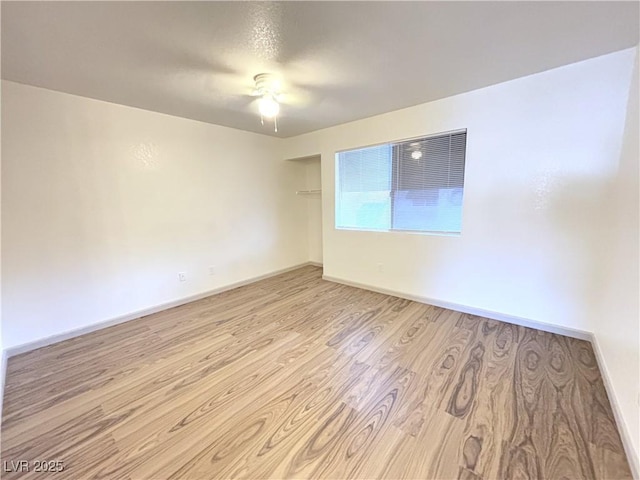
296 377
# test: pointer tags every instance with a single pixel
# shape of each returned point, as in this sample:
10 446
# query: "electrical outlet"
212 269
182 276
380 267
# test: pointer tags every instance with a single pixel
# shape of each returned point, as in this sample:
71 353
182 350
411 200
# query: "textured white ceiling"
339 61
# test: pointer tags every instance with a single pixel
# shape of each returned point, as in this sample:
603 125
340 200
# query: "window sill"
410 232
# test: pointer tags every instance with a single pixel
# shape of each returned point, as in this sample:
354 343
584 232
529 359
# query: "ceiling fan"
267 88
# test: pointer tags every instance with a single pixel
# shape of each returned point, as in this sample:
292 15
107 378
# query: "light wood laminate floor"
296 377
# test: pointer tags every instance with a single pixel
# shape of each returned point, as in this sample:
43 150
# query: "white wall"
102 206
3 353
540 153
617 326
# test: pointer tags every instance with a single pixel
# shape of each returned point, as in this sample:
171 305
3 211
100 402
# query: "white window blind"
416 185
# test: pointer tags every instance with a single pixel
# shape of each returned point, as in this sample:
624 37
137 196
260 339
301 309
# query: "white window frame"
396 230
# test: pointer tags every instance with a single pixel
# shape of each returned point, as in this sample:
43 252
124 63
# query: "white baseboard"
3 375
316 264
547 327
59 337
632 454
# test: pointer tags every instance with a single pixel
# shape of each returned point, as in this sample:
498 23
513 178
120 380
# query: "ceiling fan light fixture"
268 106
267 87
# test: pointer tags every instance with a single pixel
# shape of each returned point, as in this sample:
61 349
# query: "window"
415 185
